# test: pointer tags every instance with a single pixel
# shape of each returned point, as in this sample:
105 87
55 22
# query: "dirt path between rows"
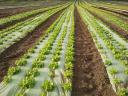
8 57
90 76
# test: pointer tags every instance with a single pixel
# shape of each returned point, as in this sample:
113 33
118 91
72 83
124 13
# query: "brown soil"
90 76
113 26
8 57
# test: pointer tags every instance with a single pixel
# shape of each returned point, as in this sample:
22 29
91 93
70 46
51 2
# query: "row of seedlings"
118 10
51 85
117 45
117 7
69 58
18 76
25 14
109 17
114 53
12 35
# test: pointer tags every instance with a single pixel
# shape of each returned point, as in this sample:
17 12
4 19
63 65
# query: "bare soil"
113 26
8 57
90 76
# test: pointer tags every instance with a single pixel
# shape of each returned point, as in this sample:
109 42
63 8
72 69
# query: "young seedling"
68 74
7 79
37 64
69 66
123 92
48 86
21 62
27 82
126 71
33 72
14 70
108 62
53 65
116 81
113 71
51 74
67 86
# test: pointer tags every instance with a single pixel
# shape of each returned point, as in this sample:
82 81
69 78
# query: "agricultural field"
64 48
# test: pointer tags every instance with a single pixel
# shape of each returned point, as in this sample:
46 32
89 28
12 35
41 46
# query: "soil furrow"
8 57
90 76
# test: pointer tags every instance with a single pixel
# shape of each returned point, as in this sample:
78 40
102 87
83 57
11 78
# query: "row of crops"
46 69
111 18
25 14
14 33
112 6
113 49
119 11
